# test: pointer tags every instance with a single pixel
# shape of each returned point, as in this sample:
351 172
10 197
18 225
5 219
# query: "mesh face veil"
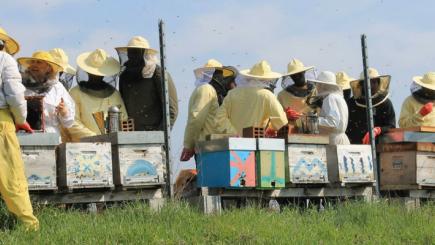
287 81
138 60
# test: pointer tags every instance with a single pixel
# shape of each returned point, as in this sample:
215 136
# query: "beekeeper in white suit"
334 115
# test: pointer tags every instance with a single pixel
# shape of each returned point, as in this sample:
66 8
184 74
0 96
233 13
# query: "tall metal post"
166 116
369 110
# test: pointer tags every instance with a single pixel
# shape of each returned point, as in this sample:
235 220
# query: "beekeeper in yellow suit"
213 81
296 90
13 110
94 92
343 81
417 109
252 103
66 77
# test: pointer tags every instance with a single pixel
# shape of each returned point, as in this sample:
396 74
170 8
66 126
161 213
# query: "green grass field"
177 223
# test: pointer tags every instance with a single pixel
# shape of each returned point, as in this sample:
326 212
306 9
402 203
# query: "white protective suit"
334 114
53 121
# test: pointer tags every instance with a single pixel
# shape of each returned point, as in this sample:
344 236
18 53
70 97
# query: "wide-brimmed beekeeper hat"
213 65
61 58
327 78
384 84
296 66
98 63
11 46
140 43
45 56
343 80
426 81
261 70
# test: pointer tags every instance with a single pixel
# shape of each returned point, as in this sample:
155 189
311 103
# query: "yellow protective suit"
13 182
410 114
249 107
296 103
203 105
84 124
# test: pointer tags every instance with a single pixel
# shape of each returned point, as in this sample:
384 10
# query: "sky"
324 34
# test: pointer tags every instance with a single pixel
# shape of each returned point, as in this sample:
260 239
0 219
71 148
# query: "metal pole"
369 110
166 116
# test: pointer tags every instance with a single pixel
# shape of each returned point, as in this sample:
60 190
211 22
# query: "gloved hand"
426 109
25 126
377 131
186 154
270 133
292 114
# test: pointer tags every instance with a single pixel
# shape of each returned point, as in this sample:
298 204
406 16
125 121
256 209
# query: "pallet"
387 188
412 199
140 187
211 199
154 196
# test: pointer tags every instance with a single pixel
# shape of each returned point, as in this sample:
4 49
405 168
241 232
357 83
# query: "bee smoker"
113 119
312 123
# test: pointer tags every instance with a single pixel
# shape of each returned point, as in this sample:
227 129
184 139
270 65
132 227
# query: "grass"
177 223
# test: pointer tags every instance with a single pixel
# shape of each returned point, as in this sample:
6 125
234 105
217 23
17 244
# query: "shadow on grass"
7 220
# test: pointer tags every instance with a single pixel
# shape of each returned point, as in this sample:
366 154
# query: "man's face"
299 79
135 56
39 70
374 84
428 93
95 79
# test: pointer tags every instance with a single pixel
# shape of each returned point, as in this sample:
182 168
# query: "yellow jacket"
296 103
249 107
84 124
410 114
203 104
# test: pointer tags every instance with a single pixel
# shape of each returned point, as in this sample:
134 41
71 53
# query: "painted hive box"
138 157
350 164
270 163
85 165
407 170
139 165
226 163
38 151
307 164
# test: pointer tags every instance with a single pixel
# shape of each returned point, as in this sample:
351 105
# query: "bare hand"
62 109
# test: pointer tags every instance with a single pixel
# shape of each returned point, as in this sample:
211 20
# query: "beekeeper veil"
39 72
137 59
326 84
260 75
96 73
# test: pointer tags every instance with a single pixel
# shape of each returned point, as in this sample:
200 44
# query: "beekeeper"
95 92
296 90
66 76
333 114
252 104
383 112
13 110
343 81
213 81
140 86
40 77
417 109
